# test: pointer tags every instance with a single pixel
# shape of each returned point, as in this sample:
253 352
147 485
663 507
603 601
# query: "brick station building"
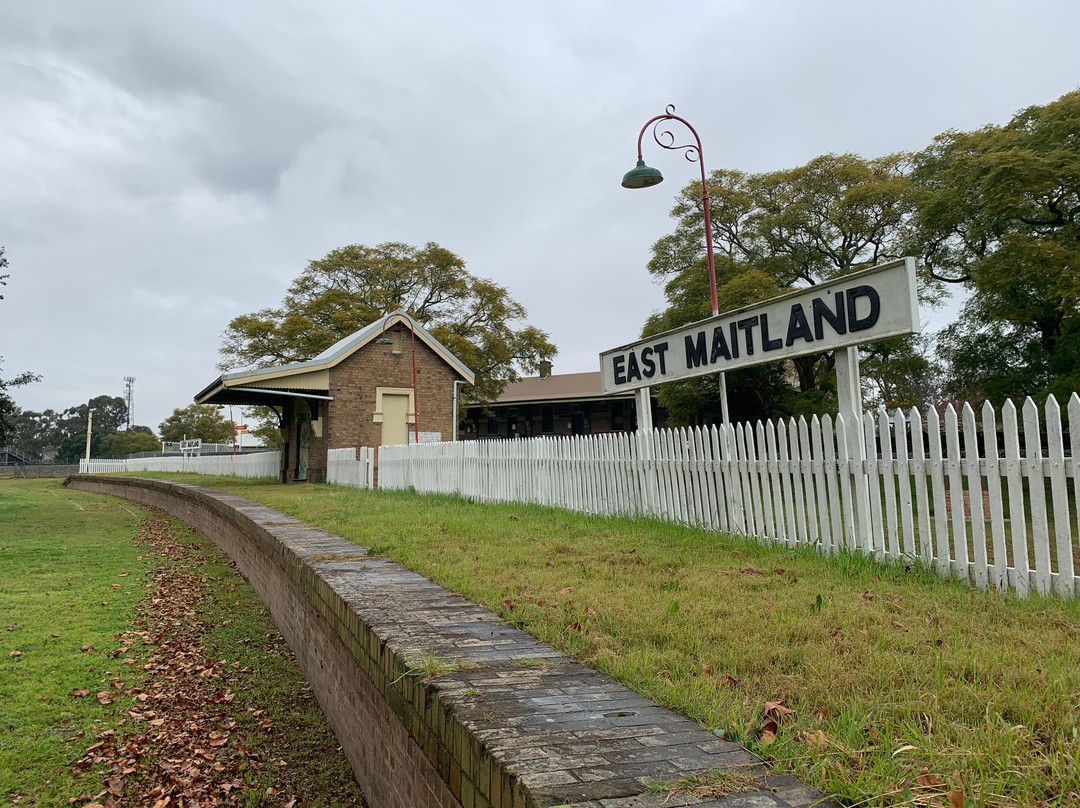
361 391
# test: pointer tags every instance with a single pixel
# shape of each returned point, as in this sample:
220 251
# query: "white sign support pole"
723 399
849 394
849 398
644 409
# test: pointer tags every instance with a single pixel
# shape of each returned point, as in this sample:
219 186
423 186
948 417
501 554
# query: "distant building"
565 404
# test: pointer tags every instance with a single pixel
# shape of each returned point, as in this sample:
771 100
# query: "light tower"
129 399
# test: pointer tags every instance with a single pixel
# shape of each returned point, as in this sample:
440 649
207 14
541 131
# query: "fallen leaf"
956 799
87 648
928 780
817 740
706 669
900 626
14 654
750 571
775 709
567 591
905 748
766 738
731 680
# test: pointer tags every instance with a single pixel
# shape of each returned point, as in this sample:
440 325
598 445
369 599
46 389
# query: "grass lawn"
79 584
901 687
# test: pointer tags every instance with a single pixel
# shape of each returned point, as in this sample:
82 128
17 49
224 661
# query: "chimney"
545 368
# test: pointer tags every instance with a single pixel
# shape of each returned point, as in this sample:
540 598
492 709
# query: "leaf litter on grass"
181 743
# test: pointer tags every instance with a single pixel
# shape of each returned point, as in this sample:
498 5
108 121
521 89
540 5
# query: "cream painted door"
395 425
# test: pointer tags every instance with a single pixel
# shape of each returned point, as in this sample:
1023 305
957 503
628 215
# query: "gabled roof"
314 374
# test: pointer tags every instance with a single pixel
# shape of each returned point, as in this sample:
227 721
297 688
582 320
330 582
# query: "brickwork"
493 732
353 382
42 470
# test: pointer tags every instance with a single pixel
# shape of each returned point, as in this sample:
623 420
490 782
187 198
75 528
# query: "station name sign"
864 306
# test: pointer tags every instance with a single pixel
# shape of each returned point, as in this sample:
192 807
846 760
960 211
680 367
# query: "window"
547 416
493 426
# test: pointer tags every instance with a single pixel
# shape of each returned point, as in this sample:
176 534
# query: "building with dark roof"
564 404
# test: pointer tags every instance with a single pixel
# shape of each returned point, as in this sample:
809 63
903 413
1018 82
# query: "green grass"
70 581
889 671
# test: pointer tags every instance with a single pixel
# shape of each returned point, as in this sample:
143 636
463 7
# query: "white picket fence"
262 464
905 491
352 467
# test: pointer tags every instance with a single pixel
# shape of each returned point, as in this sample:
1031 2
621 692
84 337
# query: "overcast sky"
167 166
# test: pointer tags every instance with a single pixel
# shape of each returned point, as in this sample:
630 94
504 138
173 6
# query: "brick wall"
511 724
350 421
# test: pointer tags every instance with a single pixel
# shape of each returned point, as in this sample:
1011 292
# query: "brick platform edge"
513 724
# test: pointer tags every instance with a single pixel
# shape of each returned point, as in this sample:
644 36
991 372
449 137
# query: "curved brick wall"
491 734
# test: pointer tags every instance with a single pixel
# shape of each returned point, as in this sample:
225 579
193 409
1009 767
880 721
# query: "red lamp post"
642 176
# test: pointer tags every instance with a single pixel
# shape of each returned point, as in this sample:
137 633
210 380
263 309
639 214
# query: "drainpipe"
456 419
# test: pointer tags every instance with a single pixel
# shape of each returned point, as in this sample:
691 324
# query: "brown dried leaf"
567 591
776 710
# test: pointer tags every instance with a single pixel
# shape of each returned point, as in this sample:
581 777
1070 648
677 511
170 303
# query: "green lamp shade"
641 176
384 340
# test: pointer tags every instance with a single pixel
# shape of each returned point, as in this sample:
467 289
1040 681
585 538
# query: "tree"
774 232
8 410
121 444
999 212
203 421
37 434
354 286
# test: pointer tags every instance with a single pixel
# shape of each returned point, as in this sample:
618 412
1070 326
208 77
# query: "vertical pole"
849 395
644 410
89 428
723 400
849 398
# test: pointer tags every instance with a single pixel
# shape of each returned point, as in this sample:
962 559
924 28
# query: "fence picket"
795 461
1033 470
1018 524
903 474
1059 493
1000 574
872 475
975 501
888 481
849 491
1074 453
923 503
833 512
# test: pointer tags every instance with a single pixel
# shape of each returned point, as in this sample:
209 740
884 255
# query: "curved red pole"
668 116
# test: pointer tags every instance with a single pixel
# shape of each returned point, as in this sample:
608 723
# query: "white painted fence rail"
351 467
262 464
914 488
